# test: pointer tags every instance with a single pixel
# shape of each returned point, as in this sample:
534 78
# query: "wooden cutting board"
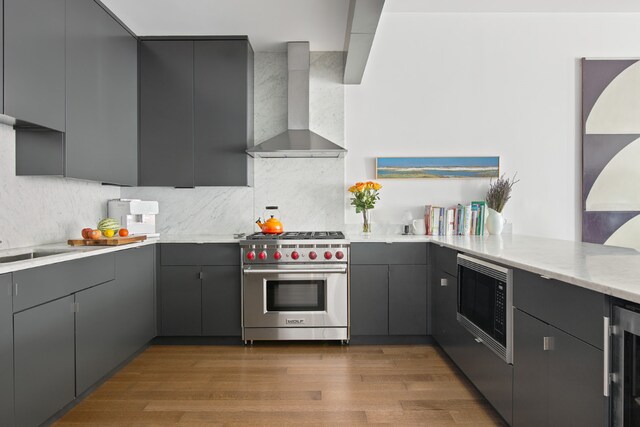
104 241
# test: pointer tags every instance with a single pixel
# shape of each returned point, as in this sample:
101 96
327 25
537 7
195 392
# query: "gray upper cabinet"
6 352
166 113
44 360
223 96
102 97
34 62
196 111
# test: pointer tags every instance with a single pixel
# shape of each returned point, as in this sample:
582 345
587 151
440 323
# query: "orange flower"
352 189
376 186
360 186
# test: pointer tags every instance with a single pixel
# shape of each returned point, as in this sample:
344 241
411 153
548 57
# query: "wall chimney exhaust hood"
298 141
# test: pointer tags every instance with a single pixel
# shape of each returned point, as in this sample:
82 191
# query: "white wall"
38 210
478 85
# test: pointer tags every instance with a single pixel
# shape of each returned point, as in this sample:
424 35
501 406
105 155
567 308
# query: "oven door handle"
332 270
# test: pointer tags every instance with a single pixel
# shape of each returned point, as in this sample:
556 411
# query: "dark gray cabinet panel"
221 301
166 113
407 300
115 319
575 382
389 253
98 340
530 367
446 329
557 386
44 360
221 112
34 61
204 254
102 96
181 305
6 352
37 285
446 259
575 310
369 300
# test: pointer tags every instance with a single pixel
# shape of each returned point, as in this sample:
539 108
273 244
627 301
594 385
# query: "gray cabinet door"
221 301
6 352
407 300
369 300
44 360
575 382
181 301
134 273
445 324
102 97
166 113
34 61
221 112
530 372
99 343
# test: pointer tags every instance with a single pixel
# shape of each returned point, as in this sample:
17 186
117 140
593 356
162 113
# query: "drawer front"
42 284
575 310
200 254
388 253
446 259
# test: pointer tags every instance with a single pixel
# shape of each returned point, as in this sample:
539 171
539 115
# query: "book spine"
466 230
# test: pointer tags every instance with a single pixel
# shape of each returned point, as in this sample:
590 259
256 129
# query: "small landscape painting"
437 167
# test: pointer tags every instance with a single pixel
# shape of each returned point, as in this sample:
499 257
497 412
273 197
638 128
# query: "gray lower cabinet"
221 301
34 62
369 300
388 289
6 351
44 360
101 140
446 329
407 300
200 290
557 384
181 301
115 319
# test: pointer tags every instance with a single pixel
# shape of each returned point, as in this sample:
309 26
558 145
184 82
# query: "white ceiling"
268 23
271 23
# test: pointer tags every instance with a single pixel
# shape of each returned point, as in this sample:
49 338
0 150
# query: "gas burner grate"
299 235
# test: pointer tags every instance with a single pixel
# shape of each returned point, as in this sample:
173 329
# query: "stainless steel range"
295 286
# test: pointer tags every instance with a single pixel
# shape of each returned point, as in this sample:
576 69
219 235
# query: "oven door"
295 296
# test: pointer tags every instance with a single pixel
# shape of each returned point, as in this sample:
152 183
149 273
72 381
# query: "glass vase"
366 222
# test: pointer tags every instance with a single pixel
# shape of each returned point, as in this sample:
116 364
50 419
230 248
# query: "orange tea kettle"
272 225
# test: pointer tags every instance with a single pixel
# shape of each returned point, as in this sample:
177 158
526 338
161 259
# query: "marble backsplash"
38 210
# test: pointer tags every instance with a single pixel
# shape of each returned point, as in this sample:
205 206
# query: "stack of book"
458 220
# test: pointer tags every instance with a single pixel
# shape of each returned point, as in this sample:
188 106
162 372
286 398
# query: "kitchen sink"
30 255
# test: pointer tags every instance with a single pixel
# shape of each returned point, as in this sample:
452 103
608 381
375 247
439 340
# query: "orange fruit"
123 232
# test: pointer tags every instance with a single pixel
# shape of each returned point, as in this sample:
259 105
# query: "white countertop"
606 269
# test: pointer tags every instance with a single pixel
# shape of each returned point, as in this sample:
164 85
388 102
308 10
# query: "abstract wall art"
437 167
611 152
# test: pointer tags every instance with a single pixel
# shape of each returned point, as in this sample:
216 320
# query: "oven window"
295 295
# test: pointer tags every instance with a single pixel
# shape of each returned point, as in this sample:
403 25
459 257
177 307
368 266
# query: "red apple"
86 232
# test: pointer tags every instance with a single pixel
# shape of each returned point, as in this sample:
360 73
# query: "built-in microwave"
485 304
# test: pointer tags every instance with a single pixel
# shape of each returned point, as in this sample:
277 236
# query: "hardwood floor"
285 384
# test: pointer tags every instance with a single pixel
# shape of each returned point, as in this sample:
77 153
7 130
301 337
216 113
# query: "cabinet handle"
547 343
545 277
200 275
605 347
16 294
478 340
444 282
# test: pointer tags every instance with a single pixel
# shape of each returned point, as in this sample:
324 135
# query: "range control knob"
251 255
262 255
328 255
313 255
277 255
295 255
339 255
